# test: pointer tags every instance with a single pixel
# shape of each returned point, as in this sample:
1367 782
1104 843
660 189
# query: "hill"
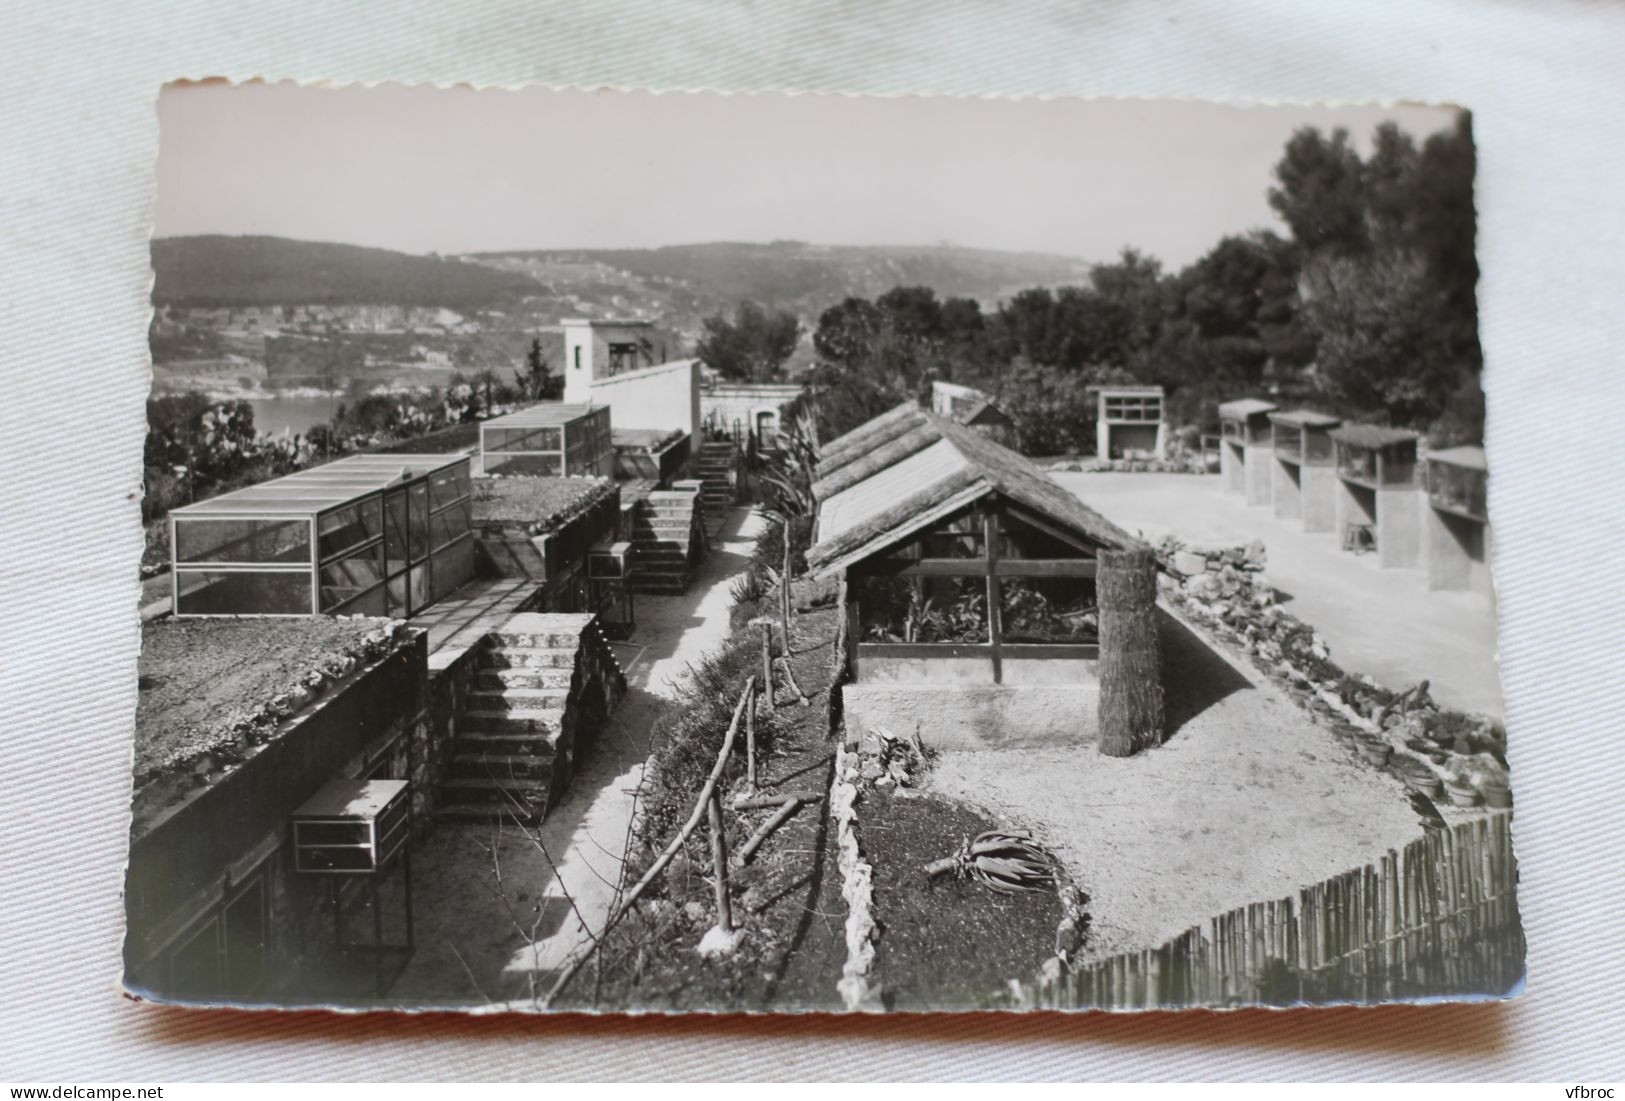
217 271
695 280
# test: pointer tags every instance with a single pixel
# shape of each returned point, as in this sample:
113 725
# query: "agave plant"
1005 860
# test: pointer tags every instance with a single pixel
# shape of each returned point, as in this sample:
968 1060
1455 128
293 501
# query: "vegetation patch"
946 943
211 684
786 898
541 504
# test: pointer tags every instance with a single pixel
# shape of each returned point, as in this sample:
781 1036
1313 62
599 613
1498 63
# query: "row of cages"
389 553
1310 447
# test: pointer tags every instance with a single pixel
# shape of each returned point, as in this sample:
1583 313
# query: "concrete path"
494 921
1381 622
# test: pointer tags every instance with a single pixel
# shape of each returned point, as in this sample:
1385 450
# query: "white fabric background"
77 143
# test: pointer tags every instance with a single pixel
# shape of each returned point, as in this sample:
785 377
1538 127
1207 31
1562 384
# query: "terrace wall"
188 858
978 716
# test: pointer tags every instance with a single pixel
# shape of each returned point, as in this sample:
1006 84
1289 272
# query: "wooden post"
719 863
784 590
750 738
1131 715
767 662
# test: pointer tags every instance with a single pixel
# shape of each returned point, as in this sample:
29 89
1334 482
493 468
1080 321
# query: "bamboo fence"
1439 917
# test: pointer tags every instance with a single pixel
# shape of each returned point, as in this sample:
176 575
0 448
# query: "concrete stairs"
717 466
667 541
543 680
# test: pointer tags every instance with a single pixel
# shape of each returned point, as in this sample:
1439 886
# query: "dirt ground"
479 942
1247 800
944 943
1384 623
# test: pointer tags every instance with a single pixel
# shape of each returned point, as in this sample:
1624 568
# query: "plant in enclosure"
1049 610
1005 860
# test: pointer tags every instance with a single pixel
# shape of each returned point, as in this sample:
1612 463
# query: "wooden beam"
976 567
990 541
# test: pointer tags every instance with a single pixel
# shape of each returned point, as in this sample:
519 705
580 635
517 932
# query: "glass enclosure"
1458 487
1392 464
1288 442
369 535
549 440
1317 446
993 582
1132 408
1303 437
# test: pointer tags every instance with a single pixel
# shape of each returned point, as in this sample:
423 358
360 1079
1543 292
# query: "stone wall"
984 716
1437 752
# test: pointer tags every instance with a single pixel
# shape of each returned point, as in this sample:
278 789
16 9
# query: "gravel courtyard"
1247 800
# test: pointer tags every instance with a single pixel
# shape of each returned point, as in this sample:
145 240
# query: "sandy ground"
1248 800
480 941
1381 622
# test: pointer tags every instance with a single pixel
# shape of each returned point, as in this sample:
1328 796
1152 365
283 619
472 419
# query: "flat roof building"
1128 422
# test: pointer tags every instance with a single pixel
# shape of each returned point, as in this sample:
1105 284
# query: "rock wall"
1435 751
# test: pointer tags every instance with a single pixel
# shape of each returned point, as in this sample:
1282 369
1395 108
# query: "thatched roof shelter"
908 468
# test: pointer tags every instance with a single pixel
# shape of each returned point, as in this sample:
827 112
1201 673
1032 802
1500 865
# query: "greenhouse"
551 440
383 535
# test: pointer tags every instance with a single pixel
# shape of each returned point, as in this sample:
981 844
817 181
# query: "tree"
1321 193
755 345
1380 350
537 381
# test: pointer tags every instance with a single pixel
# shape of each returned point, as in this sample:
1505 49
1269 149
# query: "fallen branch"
701 806
748 849
761 802
790 679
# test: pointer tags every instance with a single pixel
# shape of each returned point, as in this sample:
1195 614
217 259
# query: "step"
661 585
529 640
529 657
523 676
500 766
519 699
476 812
658 551
540 747
650 566
499 797
548 721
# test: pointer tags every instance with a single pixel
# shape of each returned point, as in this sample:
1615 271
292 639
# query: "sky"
455 170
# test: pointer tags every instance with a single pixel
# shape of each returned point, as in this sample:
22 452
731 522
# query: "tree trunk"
1131 716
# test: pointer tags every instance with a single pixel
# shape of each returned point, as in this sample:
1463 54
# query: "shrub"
688 736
